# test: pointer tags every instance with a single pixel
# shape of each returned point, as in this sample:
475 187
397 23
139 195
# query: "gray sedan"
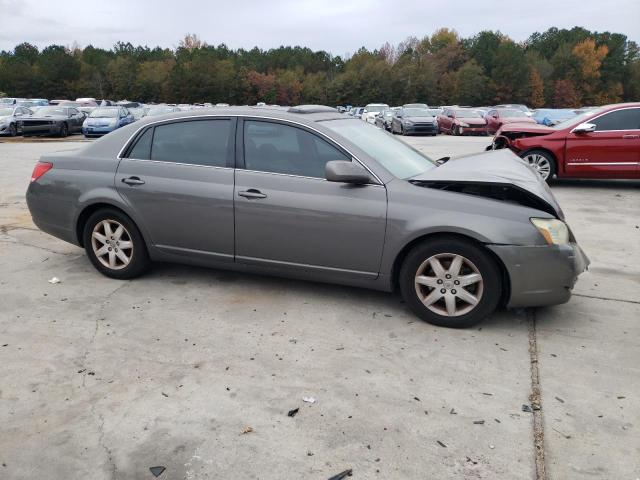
309 194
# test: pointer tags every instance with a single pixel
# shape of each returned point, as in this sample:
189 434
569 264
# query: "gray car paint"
306 228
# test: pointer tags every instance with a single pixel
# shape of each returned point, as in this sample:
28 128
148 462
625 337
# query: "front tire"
64 130
455 131
114 245
542 162
13 131
450 282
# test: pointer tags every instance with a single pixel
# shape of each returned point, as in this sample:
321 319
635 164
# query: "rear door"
613 150
288 217
178 180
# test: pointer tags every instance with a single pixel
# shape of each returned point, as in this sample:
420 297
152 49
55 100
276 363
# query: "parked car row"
461 120
91 117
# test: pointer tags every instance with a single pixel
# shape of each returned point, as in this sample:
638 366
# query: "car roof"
301 114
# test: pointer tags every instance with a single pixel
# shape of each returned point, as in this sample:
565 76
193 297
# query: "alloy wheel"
449 284
112 244
540 163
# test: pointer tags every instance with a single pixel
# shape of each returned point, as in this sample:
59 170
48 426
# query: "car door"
178 180
612 150
448 118
75 120
493 121
290 218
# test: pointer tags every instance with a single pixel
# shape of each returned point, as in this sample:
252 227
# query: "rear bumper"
541 275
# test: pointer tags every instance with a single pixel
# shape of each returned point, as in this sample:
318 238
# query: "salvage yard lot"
105 379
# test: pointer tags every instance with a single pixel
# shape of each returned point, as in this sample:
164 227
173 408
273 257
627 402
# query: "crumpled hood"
527 120
525 127
494 167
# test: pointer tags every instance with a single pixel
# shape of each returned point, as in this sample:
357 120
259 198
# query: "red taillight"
40 169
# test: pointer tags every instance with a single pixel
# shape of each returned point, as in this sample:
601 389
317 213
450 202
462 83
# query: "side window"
73 111
196 142
277 148
142 148
627 119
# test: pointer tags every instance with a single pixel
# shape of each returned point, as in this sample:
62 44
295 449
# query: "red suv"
499 116
599 143
461 121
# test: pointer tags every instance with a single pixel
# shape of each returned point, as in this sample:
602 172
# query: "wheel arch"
398 261
90 209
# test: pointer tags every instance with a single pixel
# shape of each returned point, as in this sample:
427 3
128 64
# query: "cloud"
338 26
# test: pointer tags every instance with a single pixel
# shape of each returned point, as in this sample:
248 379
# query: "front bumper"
473 130
41 128
91 131
420 128
541 275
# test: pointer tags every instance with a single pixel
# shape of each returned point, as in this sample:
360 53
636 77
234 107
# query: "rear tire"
120 255
467 296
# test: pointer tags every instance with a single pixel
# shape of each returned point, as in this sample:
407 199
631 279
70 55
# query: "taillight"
40 169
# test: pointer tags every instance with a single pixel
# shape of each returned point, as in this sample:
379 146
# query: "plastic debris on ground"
341 475
55 280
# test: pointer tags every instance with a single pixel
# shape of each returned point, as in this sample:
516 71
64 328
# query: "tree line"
558 68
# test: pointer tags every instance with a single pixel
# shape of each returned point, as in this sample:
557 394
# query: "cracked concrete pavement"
104 379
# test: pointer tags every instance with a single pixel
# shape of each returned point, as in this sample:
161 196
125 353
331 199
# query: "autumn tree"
536 90
565 95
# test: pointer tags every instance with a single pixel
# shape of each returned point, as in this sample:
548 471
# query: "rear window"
196 142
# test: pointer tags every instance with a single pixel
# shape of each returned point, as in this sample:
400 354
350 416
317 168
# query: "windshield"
52 111
512 113
417 112
577 119
397 157
467 114
104 113
376 108
6 112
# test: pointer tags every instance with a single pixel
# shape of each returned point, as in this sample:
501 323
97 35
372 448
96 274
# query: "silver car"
311 194
11 119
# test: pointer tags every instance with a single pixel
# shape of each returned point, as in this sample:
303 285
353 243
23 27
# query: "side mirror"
584 128
450 115
442 160
346 172
399 115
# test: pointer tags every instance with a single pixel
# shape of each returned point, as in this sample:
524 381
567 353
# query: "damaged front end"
496 191
499 175
508 135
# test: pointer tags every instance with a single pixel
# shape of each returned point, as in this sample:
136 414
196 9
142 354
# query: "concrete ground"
195 370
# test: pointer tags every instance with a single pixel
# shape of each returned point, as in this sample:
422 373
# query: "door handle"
133 181
630 137
252 193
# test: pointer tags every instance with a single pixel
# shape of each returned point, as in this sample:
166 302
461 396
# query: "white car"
372 110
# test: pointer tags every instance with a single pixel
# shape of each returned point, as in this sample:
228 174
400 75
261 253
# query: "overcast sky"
337 26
